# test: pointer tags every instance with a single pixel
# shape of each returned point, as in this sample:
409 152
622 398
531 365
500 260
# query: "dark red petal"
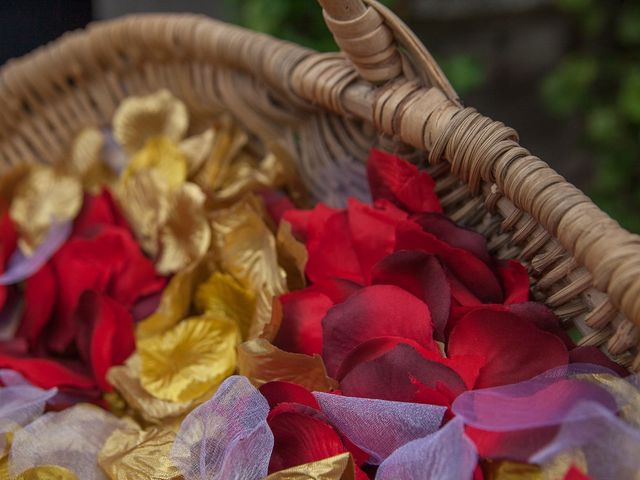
400 182
596 356
476 275
278 392
453 234
300 438
515 281
331 252
105 334
515 350
422 275
46 373
39 299
576 474
373 231
14 347
497 445
398 375
301 327
337 289
145 306
277 204
96 210
8 242
543 318
308 225
375 311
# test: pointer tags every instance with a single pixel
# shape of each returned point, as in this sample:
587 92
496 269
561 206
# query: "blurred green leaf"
629 25
567 88
464 72
629 95
575 6
604 125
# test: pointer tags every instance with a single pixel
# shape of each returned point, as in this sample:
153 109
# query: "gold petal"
508 470
133 454
43 197
261 362
125 379
557 468
186 235
247 250
144 201
175 301
87 162
223 296
47 472
339 467
293 256
190 359
139 118
162 155
197 149
228 142
625 394
4 468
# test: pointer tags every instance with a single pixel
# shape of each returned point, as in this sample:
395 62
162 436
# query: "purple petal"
545 400
446 455
226 437
380 426
21 267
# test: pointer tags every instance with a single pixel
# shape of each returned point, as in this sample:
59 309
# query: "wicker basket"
327 110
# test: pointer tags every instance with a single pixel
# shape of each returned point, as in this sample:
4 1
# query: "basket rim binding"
53 92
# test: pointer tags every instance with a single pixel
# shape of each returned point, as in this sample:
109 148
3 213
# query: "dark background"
564 73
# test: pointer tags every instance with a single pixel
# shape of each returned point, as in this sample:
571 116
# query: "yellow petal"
144 201
245 174
557 468
223 296
47 472
125 379
293 256
139 118
508 470
133 454
175 301
247 250
186 235
339 467
87 162
261 362
162 155
197 149
228 142
190 359
44 196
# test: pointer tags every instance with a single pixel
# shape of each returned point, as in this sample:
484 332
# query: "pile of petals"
166 312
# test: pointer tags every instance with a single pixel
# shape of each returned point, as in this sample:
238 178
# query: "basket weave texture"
327 110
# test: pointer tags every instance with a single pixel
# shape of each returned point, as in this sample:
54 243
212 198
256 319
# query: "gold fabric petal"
144 200
186 235
87 162
175 301
261 362
509 470
190 359
293 256
222 296
125 379
197 149
557 468
47 472
139 118
4 468
339 467
625 393
247 250
162 155
134 454
44 196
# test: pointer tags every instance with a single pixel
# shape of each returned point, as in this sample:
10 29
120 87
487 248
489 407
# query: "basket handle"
380 45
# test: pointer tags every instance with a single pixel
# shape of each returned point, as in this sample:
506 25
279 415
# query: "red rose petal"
398 375
39 299
515 350
96 210
594 355
8 243
400 182
337 289
373 231
301 327
523 443
422 275
515 281
453 234
576 474
277 204
308 225
46 373
331 253
470 270
375 311
543 318
278 392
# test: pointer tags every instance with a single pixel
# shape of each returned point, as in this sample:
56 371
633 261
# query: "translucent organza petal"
226 437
